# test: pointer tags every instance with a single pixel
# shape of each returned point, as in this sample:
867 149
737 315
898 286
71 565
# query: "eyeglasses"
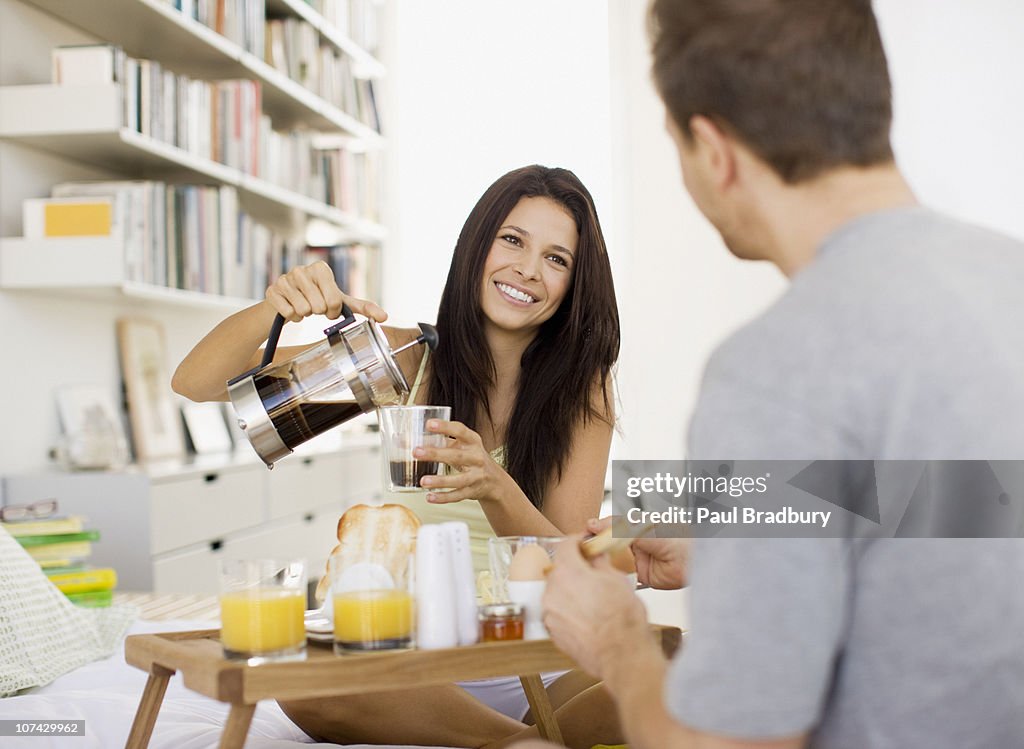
41 509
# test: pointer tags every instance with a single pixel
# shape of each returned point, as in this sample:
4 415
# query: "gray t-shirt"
903 339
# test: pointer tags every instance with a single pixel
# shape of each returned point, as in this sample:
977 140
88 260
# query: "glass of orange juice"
262 607
371 610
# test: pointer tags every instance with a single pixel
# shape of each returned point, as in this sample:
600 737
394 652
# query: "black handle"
275 334
428 335
272 339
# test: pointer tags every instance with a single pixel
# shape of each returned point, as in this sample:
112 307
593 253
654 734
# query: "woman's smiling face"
529 268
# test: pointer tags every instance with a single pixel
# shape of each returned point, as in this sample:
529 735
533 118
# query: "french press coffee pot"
353 371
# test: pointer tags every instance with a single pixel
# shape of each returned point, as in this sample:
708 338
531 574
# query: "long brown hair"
574 350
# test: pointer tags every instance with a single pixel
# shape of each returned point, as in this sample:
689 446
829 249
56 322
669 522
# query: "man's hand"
660 562
591 612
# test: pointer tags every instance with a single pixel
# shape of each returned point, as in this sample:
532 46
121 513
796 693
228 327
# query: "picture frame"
155 421
93 427
206 428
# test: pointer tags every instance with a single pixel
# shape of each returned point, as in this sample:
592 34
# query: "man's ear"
716 150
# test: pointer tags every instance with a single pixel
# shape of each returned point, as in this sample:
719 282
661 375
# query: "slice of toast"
383 534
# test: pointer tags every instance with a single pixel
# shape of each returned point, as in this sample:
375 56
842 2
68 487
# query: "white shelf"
153 29
369 66
37 116
91 268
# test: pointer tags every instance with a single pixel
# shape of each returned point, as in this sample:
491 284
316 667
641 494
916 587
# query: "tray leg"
237 726
540 704
149 707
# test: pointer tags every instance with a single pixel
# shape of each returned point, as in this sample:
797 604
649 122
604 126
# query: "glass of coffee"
403 429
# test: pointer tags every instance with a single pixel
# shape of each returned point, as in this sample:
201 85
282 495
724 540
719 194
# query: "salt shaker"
436 626
465 585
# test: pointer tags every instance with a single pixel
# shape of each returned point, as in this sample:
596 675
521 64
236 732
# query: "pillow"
42 634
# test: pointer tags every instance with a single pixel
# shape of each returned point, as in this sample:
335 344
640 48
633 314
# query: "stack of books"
218 120
356 267
293 47
193 237
359 20
62 547
241 21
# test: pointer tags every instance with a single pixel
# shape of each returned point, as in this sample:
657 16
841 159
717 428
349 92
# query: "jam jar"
501 621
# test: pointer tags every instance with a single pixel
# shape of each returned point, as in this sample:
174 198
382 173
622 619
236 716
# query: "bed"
37 623
105 694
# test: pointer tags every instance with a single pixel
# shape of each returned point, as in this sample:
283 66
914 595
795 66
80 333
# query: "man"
899 338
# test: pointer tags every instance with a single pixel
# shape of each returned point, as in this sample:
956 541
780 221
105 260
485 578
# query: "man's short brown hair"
804 83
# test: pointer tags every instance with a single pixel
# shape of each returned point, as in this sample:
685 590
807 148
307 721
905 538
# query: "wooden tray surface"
198 655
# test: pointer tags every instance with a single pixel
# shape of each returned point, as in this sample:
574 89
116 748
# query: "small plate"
318 626
327 638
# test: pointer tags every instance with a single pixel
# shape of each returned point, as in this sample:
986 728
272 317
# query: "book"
53 570
67 217
87 64
60 555
84 580
93 599
59 549
48 526
57 539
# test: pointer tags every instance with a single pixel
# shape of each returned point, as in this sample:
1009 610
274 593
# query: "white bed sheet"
105 694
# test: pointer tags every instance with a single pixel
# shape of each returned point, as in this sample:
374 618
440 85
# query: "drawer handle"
309 517
307 461
210 478
217 544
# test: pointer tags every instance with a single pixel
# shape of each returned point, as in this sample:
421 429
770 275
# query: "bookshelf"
164 527
369 65
156 30
92 268
34 116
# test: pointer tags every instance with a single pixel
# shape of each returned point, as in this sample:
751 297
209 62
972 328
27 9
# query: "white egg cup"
529 593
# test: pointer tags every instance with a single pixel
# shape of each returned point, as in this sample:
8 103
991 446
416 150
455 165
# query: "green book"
64 570
96 599
58 538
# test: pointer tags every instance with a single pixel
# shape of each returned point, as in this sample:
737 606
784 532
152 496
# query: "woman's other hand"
311 290
473 473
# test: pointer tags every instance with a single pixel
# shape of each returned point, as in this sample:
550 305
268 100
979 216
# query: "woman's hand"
311 290
473 474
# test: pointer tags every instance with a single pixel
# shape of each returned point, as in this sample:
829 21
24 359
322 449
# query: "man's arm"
593 616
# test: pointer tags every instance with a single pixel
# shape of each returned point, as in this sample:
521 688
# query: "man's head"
768 93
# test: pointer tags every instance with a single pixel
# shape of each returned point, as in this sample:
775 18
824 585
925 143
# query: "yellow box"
84 219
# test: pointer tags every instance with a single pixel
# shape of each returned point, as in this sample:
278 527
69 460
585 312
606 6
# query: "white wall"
476 89
958 84
680 291
54 339
958 76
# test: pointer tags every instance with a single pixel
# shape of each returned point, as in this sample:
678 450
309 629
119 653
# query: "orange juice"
262 620
373 619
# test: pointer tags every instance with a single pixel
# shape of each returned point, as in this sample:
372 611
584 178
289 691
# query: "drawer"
197 571
362 476
201 508
301 484
287 541
323 537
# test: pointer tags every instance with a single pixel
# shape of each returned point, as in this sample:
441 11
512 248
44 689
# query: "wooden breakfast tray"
198 656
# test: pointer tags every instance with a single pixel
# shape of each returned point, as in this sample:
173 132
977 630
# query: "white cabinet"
194 509
166 531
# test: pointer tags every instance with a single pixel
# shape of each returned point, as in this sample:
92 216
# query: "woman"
529 333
